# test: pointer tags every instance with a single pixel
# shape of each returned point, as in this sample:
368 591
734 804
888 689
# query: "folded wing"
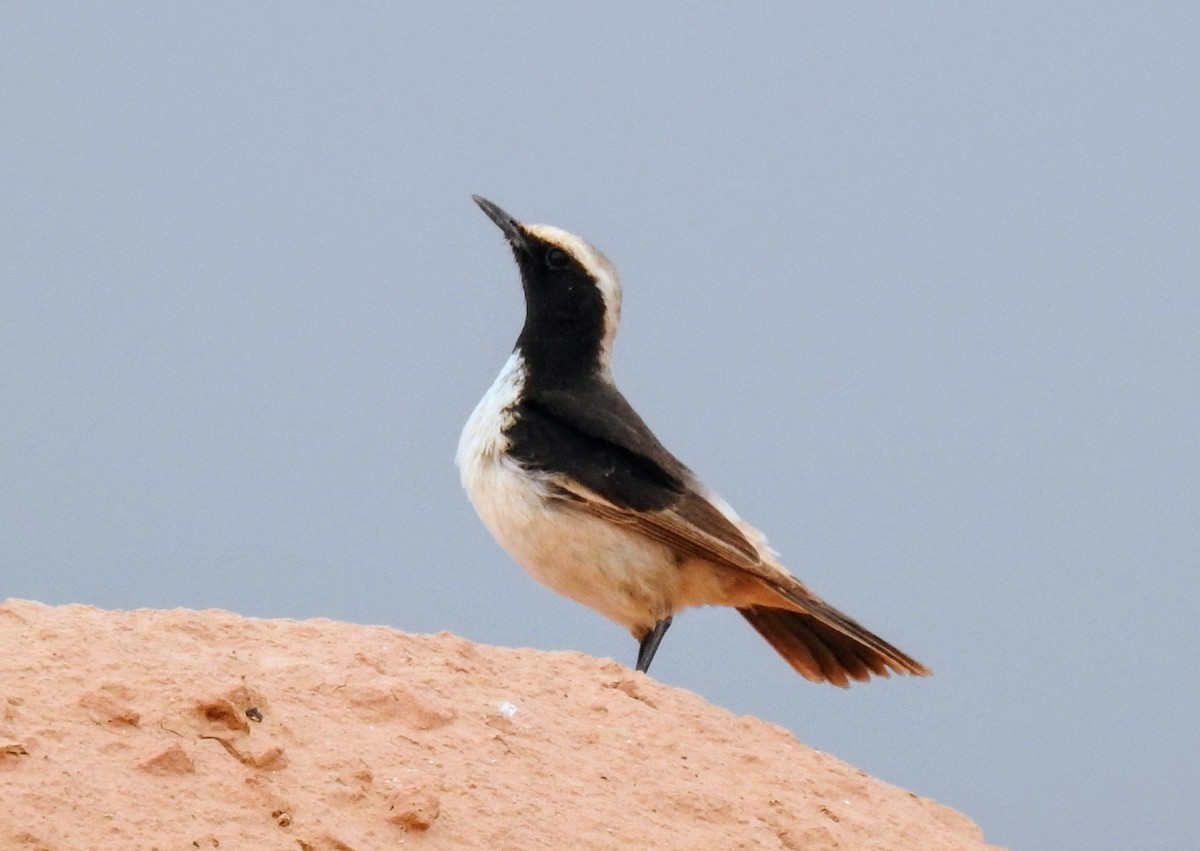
602 459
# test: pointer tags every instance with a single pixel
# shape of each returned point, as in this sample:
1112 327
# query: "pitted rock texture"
182 729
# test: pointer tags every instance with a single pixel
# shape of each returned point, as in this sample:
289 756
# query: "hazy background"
916 288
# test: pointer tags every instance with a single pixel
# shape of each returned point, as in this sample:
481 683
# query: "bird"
573 484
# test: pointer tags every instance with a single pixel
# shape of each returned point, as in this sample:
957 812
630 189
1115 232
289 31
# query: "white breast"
482 437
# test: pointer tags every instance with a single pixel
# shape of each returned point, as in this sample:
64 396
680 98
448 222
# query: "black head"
572 300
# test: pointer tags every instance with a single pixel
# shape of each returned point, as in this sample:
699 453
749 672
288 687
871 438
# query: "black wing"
609 460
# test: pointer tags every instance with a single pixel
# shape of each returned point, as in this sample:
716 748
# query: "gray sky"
916 288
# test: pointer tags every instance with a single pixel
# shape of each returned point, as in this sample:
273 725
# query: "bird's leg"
649 644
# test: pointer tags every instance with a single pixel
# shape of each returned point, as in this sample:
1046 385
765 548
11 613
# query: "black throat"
563 334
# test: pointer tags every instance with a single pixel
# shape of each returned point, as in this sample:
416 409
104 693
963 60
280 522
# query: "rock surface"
182 729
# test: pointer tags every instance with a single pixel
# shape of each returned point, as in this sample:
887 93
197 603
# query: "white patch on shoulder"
601 270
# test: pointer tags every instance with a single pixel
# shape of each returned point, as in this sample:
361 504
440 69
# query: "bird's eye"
556 259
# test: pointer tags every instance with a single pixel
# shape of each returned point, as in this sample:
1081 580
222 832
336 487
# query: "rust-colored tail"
824 645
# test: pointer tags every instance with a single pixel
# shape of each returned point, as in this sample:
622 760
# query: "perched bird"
571 482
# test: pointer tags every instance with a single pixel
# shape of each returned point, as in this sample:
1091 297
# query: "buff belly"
626 577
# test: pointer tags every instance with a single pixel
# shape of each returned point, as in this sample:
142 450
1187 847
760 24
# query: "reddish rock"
183 729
